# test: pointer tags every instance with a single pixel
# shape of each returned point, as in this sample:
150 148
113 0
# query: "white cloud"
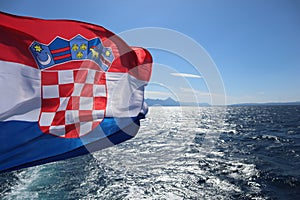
158 94
186 75
193 91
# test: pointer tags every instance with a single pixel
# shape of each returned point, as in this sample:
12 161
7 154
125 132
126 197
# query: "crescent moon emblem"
46 62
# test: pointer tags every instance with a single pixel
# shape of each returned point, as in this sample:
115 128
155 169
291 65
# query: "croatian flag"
67 88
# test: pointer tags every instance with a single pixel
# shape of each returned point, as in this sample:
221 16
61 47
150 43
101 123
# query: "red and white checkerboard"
73 101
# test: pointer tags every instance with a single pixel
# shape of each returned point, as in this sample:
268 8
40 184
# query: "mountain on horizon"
171 102
162 102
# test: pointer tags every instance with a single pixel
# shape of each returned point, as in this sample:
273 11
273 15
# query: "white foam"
21 189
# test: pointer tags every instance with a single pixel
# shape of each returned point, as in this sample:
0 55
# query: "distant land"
295 103
171 102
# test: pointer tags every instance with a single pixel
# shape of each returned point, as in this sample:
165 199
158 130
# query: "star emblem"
38 48
107 53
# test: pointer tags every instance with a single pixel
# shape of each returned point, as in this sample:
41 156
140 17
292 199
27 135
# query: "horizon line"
241 103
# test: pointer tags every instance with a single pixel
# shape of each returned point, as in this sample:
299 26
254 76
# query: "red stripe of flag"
20 32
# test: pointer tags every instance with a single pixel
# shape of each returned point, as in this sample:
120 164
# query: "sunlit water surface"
181 153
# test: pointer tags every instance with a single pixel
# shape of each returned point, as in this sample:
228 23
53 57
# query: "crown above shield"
78 48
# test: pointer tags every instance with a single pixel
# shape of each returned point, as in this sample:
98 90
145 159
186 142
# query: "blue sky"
254 44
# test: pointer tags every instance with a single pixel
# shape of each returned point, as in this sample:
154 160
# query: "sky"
249 50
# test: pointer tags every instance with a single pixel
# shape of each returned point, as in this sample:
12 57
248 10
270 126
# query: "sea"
237 152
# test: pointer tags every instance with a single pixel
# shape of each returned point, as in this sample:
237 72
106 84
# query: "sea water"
247 152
